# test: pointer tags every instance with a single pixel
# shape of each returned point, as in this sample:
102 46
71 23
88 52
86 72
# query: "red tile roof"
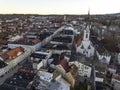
64 64
35 41
3 42
12 53
26 70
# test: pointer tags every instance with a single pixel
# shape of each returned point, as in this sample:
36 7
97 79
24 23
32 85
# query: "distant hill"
113 14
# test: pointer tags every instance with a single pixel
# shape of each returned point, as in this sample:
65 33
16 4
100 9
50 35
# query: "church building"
84 45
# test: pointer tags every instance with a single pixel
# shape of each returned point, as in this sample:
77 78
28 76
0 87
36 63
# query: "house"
12 54
71 75
103 55
64 85
99 79
32 35
84 45
116 81
68 31
59 49
14 38
44 83
32 44
40 59
2 66
3 42
62 67
83 70
111 69
20 80
62 39
46 76
68 72
3 46
13 58
64 64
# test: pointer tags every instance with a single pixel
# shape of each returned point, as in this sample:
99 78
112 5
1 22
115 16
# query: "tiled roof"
5 56
64 64
79 41
116 76
26 70
12 53
3 41
35 41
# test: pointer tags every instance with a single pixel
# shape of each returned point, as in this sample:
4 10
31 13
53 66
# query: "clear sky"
59 6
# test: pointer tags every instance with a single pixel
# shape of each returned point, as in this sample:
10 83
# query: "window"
86 67
86 35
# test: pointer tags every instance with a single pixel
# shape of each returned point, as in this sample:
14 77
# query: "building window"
86 67
86 35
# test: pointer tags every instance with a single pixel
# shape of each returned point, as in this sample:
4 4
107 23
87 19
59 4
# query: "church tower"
86 48
87 29
86 34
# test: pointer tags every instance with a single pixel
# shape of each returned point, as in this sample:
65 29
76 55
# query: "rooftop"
2 64
13 53
64 39
64 64
26 41
116 76
40 84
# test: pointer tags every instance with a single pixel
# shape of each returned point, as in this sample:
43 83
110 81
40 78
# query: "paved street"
11 72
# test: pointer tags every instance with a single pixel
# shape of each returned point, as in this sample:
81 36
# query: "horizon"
63 7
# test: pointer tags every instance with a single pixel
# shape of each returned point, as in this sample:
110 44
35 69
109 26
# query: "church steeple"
89 18
87 29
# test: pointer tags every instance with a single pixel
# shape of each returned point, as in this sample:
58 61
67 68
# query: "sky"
59 6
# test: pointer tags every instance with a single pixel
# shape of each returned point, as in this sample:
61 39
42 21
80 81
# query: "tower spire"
89 18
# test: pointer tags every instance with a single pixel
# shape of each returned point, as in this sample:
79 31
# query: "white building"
85 46
103 55
45 76
17 37
112 69
40 59
64 85
83 70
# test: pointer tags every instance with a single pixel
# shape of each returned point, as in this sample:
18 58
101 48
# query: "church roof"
79 41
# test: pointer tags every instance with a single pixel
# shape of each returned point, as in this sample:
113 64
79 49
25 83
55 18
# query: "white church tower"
85 47
86 35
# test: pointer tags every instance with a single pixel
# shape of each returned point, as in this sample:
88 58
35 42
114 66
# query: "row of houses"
53 63
15 48
113 76
12 58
